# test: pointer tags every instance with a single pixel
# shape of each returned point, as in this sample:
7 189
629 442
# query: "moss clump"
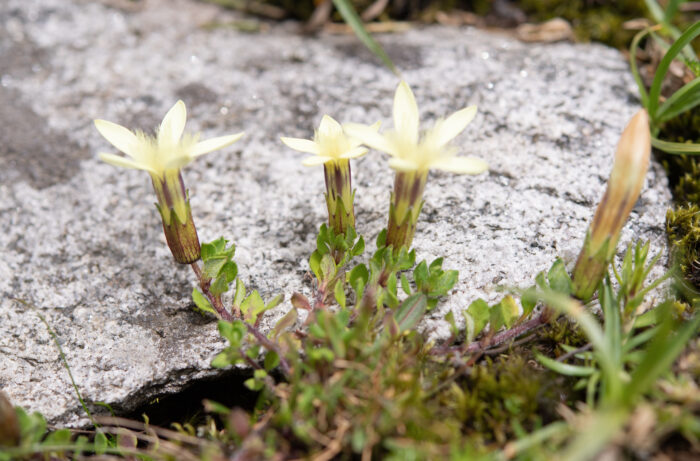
683 228
498 393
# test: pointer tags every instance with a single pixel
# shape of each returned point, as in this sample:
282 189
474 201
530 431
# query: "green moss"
499 392
683 228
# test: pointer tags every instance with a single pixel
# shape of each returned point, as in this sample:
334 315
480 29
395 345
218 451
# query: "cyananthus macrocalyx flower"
163 157
624 186
333 149
412 156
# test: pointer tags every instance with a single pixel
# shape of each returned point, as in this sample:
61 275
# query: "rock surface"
82 242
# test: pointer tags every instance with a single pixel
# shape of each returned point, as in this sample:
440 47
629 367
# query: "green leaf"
215 255
202 302
315 264
358 275
391 284
339 292
541 281
328 268
233 331
528 300
212 406
563 368
444 283
504 313
323 240
239 294
420 274
274 302
285 322
219 286
558 278
411 311
681 101
479 313
405 284
688 148
359 247
59 437
450 319
662 69
221 360
207 250
252 306
321 354
101 443
381 239
32 427
255 383
634 46
271 360
229 271
436 264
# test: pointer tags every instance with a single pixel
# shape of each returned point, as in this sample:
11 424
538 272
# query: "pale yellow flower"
330 143
410 152
168 150
161 156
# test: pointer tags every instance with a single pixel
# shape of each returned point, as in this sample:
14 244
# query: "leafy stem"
215 300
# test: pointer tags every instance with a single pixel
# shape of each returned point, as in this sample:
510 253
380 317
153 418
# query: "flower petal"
461 165
329 127
177 163
302 145
173 125
118 136
355 142
446 130
401 164
123 162
406 113
204 147
355 152
369 136
316 160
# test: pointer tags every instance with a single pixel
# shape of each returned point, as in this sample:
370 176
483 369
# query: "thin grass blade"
655 90
351 18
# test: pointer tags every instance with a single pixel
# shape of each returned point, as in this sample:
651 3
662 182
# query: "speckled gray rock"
82 242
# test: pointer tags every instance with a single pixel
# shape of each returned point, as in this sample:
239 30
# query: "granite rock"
82 243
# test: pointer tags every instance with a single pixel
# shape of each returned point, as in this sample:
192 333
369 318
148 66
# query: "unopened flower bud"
624 186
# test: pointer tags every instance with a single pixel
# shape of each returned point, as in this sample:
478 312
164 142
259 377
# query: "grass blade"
634 46
351 18
676 147
564 368
681 101
655 90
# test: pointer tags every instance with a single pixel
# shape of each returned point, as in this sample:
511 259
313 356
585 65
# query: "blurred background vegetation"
606 21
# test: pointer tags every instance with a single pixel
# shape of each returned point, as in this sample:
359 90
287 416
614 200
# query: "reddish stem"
204 283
